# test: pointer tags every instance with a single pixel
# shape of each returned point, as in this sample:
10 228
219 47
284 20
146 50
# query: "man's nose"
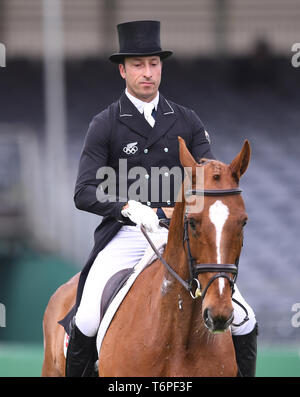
147 71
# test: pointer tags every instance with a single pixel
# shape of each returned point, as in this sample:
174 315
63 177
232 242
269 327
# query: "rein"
196 268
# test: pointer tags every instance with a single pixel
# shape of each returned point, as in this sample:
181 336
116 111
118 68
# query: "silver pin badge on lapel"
130 148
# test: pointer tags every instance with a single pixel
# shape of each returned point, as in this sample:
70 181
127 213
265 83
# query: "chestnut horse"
175 319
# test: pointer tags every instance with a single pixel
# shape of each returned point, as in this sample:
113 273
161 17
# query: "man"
141 129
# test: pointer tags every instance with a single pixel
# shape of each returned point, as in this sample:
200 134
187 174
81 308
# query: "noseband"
197 268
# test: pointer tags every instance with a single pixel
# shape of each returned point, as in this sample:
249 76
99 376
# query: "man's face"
142 75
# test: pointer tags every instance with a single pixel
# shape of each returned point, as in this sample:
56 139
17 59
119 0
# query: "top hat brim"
119 57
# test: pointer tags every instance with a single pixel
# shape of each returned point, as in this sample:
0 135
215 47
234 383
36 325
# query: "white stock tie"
148 108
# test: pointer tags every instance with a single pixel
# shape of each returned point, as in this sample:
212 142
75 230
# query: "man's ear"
122 70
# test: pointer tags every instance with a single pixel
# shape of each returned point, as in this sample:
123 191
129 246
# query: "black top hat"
139 38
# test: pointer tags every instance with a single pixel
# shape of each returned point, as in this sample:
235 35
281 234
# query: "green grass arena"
22 360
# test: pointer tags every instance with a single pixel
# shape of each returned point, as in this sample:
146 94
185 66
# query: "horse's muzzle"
218 323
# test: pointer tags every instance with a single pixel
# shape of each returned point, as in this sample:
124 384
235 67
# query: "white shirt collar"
140 104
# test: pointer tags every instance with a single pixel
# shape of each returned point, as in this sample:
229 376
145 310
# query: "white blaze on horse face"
218 214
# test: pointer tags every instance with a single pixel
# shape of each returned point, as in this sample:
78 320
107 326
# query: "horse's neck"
177 305
174 252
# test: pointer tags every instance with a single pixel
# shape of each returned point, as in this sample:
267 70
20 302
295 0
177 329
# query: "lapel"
130 116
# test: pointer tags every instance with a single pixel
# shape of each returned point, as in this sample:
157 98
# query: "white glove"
141 215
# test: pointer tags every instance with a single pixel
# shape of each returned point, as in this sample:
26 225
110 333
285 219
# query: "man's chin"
147 95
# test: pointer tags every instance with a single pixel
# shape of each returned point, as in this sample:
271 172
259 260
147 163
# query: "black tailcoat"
108 136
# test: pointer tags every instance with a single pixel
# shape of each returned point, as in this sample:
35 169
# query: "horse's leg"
59 305
53 347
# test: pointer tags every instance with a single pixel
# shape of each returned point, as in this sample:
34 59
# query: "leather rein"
220 269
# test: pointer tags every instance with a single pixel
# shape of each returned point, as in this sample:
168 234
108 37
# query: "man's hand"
141 215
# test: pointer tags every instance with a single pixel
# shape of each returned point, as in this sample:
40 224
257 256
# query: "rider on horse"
141 128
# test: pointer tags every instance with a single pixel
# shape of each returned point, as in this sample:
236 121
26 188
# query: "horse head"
214 231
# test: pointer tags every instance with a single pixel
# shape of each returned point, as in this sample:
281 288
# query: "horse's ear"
186 159
240 164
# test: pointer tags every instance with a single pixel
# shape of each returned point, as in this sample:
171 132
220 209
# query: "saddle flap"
112 287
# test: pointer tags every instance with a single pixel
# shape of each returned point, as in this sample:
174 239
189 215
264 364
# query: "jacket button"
146 150
166 149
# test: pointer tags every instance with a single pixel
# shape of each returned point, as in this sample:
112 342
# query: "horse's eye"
193 223
244 223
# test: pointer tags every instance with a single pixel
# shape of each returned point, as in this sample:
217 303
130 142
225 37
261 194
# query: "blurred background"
232 64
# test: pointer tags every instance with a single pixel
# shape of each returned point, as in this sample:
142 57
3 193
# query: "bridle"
195 269
220 269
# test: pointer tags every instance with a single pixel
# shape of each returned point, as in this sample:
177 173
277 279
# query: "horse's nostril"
208 321
205 315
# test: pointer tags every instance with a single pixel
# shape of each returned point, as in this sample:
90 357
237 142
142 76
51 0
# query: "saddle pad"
149 256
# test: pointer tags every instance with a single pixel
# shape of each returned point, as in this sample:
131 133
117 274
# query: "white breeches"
124 251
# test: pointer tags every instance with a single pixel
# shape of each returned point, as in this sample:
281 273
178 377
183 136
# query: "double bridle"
196 268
